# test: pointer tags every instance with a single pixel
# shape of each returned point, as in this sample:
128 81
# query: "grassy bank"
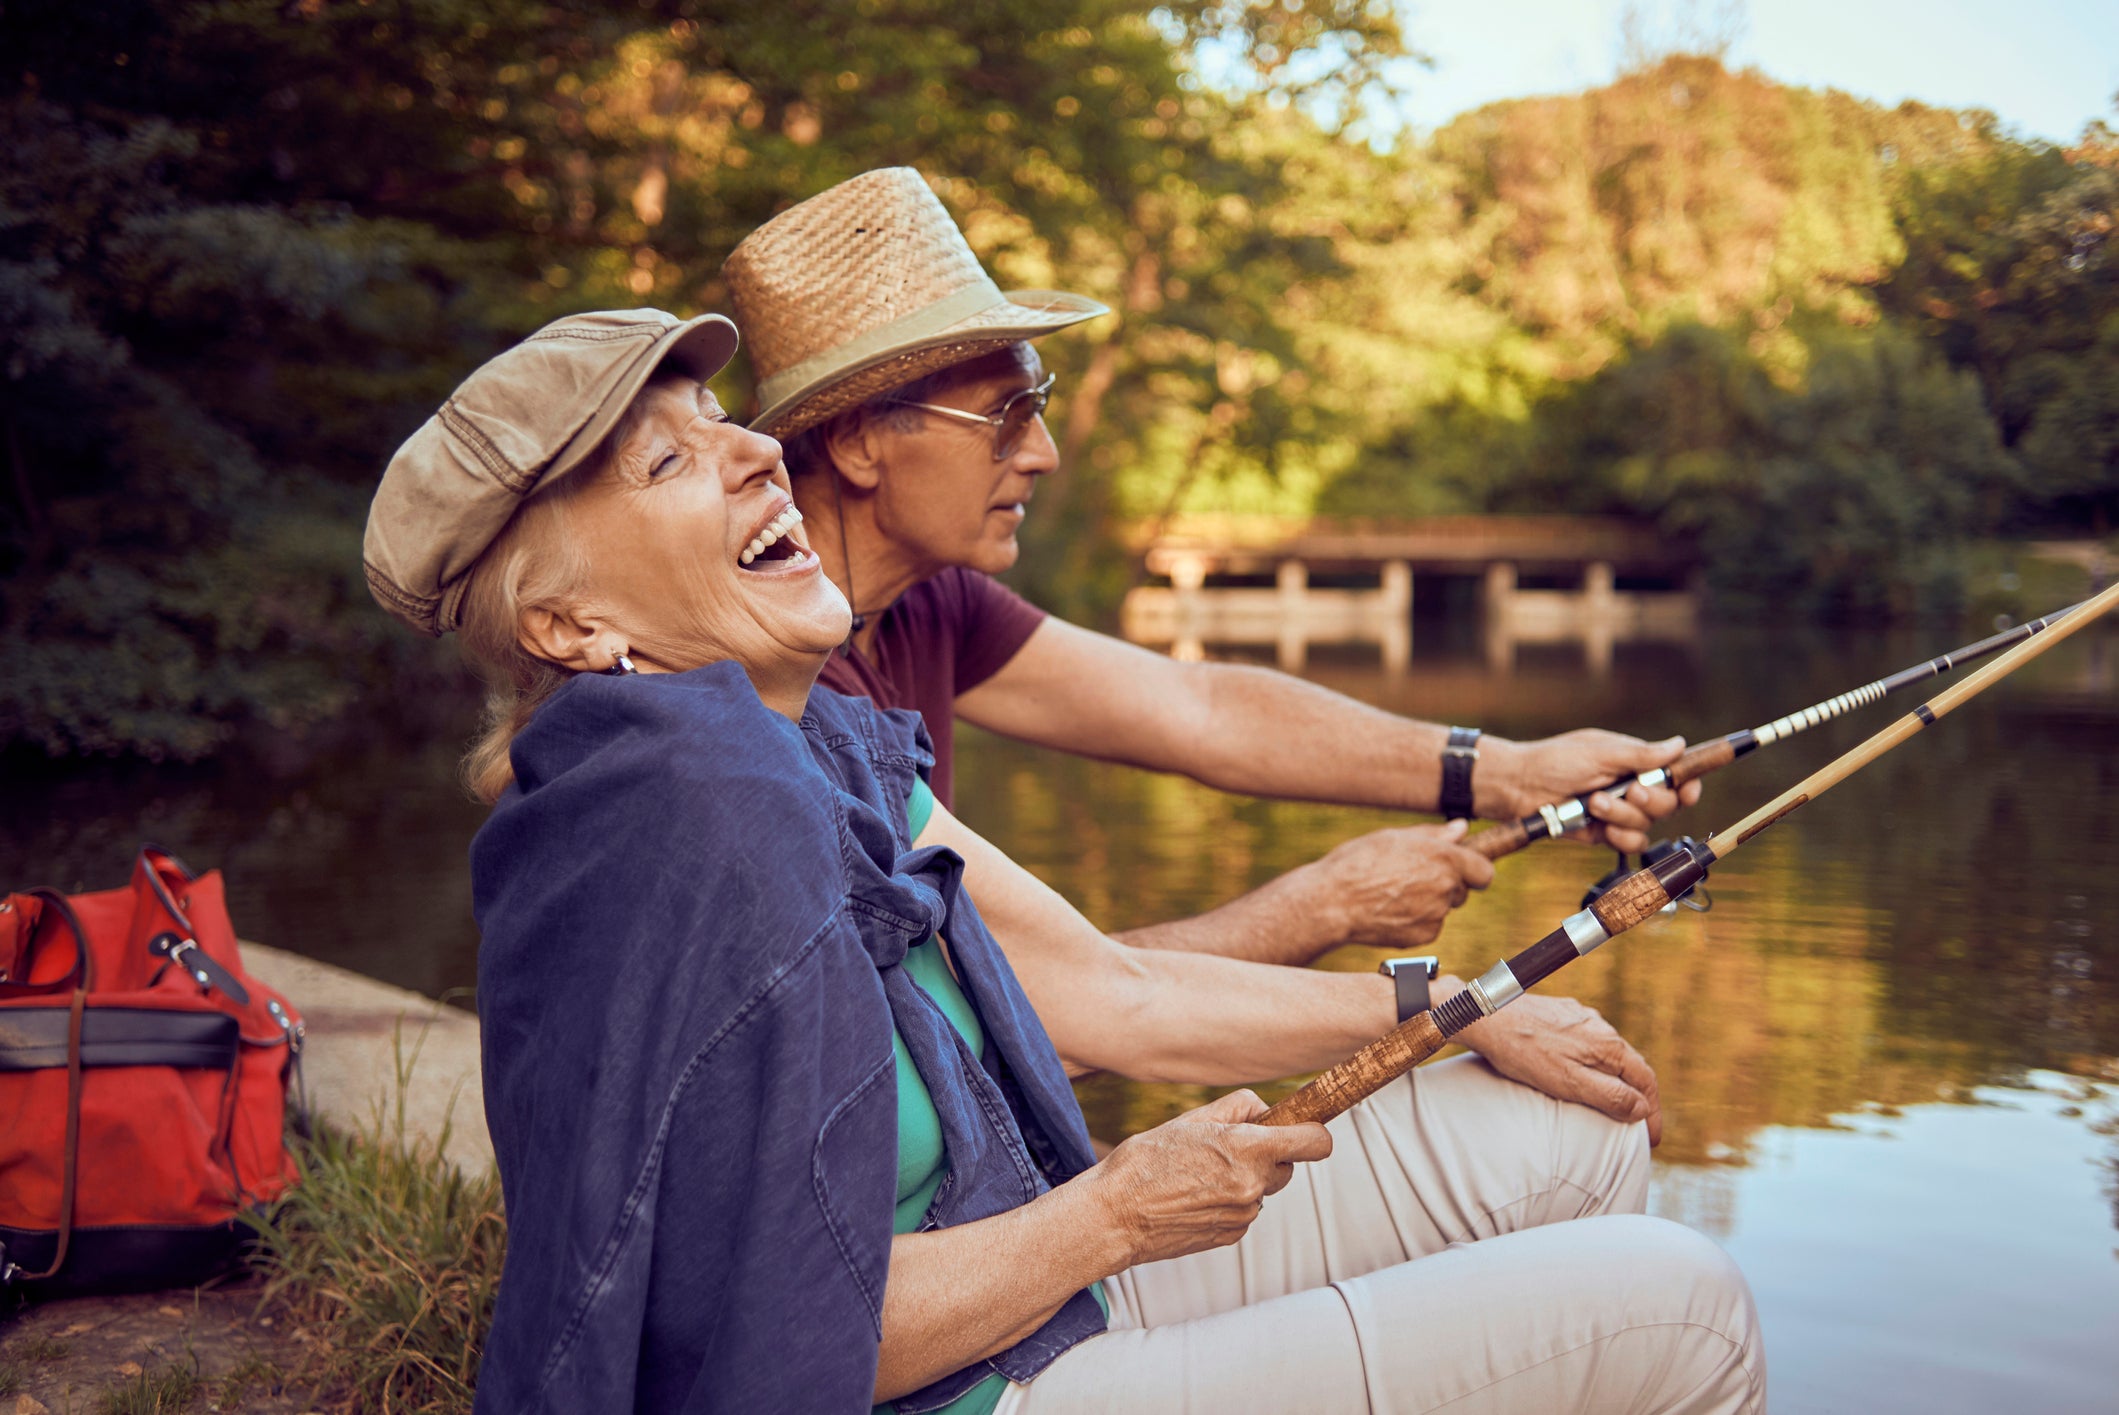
387 1258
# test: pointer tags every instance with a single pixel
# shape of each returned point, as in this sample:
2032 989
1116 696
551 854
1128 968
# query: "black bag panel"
34 1038
132 1258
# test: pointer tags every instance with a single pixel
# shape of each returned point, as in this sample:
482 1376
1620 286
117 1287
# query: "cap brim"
701 346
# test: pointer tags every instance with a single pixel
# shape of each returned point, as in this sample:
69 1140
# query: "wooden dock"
1535 579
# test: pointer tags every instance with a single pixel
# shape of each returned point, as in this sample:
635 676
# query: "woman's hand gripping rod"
1562 817
1637 897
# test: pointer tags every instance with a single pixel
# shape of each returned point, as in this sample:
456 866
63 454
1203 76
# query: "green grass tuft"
390 1257
38 1350
168 1391
235 1386
10 1377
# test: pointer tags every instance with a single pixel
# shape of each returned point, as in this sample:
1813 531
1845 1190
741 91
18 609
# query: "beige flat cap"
527 417
865 287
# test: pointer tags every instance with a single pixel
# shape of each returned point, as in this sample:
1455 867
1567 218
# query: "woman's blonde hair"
535 562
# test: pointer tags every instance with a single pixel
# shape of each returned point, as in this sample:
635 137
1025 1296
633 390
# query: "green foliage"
236 1385
180 542
1864 484
246 246
1827 340
1843 495
1842 491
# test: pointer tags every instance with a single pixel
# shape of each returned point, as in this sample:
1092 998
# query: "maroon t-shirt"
943 637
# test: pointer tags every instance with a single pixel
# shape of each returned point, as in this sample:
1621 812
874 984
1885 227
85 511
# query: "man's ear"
856 449
563 637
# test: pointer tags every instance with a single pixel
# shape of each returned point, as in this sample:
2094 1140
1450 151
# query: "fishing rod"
1551 822
1638 897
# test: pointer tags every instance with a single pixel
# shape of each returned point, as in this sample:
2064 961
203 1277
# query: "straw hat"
864 288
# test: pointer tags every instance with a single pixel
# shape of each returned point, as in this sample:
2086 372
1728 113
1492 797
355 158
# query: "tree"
248 245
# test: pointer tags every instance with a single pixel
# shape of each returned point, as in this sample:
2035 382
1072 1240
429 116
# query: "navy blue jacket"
693 917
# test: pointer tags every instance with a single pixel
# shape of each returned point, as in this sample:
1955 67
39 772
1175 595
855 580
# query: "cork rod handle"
1367 1071
1708 756
1503 839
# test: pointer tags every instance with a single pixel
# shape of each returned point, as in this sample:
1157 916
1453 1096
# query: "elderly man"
901 381
903 386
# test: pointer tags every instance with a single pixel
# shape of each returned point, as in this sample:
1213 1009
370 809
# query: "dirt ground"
153 1354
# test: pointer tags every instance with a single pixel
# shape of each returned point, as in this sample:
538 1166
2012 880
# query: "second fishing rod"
1634 900
1563 817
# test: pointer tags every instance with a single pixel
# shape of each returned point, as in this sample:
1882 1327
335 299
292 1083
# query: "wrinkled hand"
1392 888
1197 1182
1535 774
1571 1053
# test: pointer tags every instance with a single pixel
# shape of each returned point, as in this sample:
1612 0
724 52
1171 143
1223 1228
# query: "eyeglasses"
1010 425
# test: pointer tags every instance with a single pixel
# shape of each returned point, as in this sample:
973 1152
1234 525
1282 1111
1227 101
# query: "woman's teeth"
781 524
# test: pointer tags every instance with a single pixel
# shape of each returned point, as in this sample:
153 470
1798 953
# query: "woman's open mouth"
776 546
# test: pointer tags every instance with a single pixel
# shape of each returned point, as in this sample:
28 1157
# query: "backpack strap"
70 1166
184 950
32 905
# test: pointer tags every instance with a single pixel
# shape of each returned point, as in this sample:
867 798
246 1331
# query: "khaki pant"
1471 1245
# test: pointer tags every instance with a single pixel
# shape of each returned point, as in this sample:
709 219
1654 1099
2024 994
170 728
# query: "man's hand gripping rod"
1639 896
1561 817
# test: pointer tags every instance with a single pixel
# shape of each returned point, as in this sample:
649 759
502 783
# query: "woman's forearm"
958 1295
1203 1020
1161 1015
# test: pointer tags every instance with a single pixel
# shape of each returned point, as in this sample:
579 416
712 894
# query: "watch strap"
1459 755
1411 976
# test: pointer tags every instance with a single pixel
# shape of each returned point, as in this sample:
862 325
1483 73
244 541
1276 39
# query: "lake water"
1889 1054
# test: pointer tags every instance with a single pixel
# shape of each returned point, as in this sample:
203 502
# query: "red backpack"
143 1084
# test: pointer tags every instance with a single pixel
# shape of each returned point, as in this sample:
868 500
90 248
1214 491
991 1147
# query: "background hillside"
245 247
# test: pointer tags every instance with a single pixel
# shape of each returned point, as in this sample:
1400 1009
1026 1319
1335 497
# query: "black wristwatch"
1458 758
1412 975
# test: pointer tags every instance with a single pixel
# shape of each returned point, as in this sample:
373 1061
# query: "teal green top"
922 1159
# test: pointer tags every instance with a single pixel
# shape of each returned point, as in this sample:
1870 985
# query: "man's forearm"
1277 735
1293 920
1264 733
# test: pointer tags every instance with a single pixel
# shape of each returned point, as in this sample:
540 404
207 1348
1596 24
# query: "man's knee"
1501 1155
1680 1279
1673 1257
1623 1312
1603 1162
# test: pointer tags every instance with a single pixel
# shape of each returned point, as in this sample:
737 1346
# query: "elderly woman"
779 1127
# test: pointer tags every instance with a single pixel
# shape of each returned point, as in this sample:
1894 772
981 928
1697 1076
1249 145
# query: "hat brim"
701 346
1020 315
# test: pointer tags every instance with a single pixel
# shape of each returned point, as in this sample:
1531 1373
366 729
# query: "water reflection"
1942 920
1938 1258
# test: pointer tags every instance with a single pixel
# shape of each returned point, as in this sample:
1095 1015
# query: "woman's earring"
620 665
